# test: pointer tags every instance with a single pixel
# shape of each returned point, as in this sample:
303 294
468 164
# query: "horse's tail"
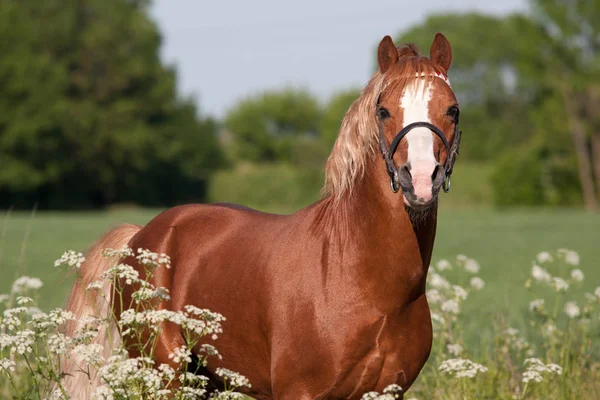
83 302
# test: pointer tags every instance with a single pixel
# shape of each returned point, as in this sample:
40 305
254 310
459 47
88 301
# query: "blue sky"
227 50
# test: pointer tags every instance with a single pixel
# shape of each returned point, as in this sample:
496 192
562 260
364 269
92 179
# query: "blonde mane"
357 140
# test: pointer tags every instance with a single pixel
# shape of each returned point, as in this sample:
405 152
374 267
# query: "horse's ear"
441 52
387 54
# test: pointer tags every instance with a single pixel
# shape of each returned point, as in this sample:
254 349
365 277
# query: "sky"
225 51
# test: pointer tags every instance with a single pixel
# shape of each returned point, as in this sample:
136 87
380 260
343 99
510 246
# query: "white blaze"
415 102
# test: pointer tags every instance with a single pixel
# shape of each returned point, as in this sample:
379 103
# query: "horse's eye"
383 113
453 112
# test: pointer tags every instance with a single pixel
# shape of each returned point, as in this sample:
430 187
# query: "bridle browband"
388 153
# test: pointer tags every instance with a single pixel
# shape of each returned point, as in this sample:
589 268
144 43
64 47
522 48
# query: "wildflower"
535 368
459 292
597 292
438 281
461 368
451 306
461 257
7 365
433 296
471 266
454 349
233 379
536 305
540 274
477 283
559 284
435 317
543 257
443 265
96 285
25 283
154 260
577 275
181 354
123 252
70 259
24 300
572 309
571 257
89 353
4 298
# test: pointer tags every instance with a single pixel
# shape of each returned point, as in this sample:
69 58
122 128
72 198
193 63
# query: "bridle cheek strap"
388 154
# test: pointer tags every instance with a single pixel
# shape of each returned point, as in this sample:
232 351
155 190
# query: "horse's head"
417 116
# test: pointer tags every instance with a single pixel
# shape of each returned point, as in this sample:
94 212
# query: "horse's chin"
420 211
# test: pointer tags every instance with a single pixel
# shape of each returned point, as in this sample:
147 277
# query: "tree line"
89 116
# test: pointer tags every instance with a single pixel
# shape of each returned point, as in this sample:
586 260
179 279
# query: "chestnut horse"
329 302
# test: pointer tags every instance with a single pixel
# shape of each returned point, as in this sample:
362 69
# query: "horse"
328 302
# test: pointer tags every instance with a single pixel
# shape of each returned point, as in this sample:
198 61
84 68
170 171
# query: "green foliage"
264 126
278 187
87 108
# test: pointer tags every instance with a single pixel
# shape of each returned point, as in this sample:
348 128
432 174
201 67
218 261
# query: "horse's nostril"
435 172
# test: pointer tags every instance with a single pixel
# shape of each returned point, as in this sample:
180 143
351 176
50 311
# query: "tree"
570 51
511 115
88 112
265 126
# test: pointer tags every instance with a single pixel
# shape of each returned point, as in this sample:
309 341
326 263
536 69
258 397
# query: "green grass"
504 243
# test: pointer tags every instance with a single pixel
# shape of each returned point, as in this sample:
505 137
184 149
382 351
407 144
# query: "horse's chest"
393 353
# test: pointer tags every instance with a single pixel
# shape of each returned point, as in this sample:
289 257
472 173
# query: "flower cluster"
461 368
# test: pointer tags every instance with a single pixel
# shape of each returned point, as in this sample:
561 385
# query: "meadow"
503 243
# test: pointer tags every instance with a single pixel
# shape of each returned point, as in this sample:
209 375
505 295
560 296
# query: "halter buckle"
393 186
446 184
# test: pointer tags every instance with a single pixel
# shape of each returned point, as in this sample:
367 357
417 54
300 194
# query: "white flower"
543 257
461 368
153 260
70 259
454 349
536 305
7 365
24 300
559 284
4 298
96 285
233 378
572 258
461 257
471 266
435 317
443 265
25 283
450 306
540 274
459 292
535 368
438 281
572 309
123 252
477 283
577 275
433 296
181 354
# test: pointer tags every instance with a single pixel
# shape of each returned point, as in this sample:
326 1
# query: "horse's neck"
394 247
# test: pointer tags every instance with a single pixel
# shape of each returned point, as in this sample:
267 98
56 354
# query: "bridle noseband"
388 154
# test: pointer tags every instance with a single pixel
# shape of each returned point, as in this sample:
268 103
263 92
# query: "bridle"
388 153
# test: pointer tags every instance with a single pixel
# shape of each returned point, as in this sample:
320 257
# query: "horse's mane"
357 139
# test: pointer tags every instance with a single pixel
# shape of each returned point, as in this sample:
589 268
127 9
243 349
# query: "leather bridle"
388 153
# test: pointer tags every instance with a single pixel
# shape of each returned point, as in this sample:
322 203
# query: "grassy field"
503 242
